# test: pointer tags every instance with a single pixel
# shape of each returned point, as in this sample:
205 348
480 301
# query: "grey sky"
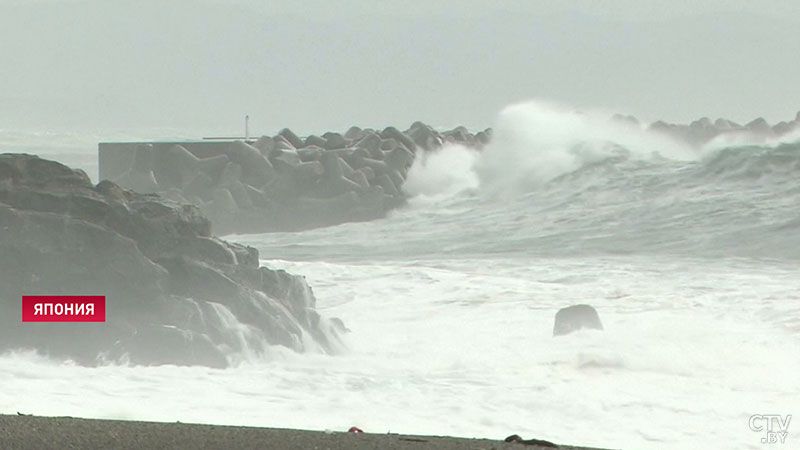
317 65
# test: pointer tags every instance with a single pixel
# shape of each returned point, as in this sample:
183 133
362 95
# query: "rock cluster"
285 182
704 130
175 294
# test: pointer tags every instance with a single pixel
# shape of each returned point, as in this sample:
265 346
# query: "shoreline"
27 432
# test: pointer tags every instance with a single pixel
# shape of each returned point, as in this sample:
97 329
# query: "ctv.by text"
775 427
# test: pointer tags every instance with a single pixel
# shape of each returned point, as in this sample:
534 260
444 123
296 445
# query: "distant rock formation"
175 294
574 318
703 131
283 182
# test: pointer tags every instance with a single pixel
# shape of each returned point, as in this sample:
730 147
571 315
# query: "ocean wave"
555 181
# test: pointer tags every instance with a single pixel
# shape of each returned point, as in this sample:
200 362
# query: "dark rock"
458 135
394 133
256 169
140 175
176 167
369 174
388 144
625 120
241 194
574 318
291 138
174 293
759 126
339 325
783 128
112 191
315 141
334 141
335 183
370 141
175 195
359 177
290 157
387 184
232 173
400 159
222 204
310 153
30 171
360 160
660 126
482 137
257 197
266 145
282 143
332 165
200 186
725 125
516 439
425 137
309 171
354 133
702 131
376 153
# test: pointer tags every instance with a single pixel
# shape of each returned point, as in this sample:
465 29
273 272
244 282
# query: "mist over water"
689 256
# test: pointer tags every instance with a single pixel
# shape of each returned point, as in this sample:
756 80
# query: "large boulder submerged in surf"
574 318
175 294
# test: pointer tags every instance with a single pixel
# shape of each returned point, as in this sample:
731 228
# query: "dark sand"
65 433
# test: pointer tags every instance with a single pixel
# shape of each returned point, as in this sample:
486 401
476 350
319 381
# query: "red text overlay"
63 308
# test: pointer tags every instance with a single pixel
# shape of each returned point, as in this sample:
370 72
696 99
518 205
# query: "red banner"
63 308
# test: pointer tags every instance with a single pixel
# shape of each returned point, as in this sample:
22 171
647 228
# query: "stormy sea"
691 257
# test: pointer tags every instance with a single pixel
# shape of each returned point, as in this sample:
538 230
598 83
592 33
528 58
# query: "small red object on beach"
355 430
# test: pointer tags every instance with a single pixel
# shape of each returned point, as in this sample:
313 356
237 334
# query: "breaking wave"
555 180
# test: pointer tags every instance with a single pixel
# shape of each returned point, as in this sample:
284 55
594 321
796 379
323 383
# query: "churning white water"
692 259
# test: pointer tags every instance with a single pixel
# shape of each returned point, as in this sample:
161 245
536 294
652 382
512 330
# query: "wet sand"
63 433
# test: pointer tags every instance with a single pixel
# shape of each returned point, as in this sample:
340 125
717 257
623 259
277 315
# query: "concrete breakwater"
282 182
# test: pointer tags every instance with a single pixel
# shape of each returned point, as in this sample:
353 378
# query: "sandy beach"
40 433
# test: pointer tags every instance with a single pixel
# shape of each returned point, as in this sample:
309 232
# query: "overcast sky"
317 65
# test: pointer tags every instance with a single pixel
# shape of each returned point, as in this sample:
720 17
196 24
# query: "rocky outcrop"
283 182
574 318
175 294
